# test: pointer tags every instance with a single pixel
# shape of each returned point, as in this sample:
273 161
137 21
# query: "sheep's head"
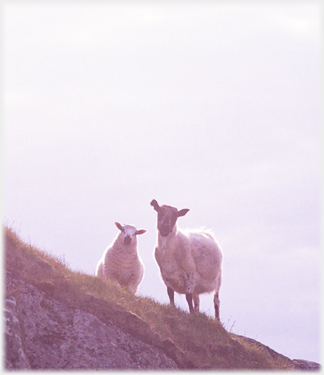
129 233
167 217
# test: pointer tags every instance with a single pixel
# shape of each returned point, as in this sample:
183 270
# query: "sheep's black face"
167 217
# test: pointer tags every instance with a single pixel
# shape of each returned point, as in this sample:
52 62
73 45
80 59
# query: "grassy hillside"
192 341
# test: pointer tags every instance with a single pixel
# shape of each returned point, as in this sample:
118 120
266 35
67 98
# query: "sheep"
120 262
189 260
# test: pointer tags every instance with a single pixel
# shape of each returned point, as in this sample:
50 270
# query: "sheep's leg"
189 300
171 295
132 288
216 304
196 302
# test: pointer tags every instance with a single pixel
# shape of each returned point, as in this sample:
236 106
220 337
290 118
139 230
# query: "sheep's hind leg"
171 295
216 304
189 300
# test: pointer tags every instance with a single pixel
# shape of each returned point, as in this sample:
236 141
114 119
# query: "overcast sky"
209 106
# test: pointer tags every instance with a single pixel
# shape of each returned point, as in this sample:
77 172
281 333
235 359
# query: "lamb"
121 262
189 260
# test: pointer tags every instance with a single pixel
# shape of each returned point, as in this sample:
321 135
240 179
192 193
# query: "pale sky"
211 106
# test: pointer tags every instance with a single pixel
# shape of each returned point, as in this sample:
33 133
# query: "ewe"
120 262
189 260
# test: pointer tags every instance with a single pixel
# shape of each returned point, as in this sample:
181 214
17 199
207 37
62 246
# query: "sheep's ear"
155 204
183 212
140 231
119 226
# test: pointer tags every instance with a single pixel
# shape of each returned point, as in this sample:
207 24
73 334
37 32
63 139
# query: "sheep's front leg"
131 288
189 300
195 297
190 293
196 301
216 304
171 295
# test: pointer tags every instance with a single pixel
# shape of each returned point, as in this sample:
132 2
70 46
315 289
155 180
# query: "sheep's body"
189 260
120 262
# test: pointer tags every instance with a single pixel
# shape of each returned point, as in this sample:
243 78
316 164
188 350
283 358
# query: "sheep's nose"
164 231
127 240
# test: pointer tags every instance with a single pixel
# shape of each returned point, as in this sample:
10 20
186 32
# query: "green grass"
193 341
